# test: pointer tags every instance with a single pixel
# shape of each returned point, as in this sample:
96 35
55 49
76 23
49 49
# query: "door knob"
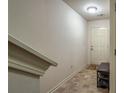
91 48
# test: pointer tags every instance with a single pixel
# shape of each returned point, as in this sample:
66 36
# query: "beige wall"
104 23
22 82
52 28
99 23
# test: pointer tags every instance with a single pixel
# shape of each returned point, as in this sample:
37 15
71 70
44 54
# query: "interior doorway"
99 45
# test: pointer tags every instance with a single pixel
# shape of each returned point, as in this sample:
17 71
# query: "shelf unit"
103 75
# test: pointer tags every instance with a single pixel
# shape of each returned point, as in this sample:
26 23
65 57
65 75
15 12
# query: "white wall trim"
23 60
26 68
31 50
65 80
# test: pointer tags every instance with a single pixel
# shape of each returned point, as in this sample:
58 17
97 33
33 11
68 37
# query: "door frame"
112 46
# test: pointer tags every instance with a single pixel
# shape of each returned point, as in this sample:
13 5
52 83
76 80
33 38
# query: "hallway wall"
53 29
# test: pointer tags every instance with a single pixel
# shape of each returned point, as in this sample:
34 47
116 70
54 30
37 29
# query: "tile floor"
83 82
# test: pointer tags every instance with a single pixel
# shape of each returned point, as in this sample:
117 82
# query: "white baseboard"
65 80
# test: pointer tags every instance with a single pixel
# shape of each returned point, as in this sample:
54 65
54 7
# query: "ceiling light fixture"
92 9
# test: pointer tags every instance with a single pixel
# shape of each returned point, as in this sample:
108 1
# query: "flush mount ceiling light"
92 9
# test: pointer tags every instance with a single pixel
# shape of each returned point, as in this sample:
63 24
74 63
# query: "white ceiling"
80 7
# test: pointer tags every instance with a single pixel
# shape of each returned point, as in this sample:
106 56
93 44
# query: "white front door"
99 46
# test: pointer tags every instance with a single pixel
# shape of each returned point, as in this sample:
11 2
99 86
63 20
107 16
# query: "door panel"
99 48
